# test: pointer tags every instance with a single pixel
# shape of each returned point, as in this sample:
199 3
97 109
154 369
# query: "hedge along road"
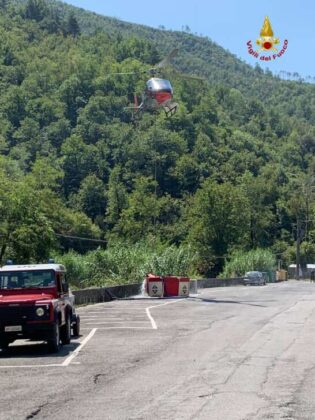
230 353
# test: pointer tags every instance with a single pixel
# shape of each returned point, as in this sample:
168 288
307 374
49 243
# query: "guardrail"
106 294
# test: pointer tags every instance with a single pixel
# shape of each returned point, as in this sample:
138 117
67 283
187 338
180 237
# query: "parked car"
254 277
36 304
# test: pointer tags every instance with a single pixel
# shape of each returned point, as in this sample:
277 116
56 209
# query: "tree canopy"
232 170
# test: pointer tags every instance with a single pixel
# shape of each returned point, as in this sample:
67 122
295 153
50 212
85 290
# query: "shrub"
255 260
126 263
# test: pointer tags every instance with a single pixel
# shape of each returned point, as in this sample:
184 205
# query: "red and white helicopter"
158 92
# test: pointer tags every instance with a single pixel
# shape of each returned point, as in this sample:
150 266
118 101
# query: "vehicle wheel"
54 342
4 344
76 326
66 332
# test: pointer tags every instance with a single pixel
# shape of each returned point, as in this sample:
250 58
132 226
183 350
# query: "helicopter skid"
170 110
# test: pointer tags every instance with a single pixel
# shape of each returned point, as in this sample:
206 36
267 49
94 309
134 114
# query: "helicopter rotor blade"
181 75
122 73
167 59
186 76
128 73
154 70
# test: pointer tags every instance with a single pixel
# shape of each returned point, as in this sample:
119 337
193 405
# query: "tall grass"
123 264
255 260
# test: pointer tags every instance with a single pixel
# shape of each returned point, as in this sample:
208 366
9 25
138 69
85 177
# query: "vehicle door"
62 295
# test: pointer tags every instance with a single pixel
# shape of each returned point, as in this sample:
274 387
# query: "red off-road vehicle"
35 303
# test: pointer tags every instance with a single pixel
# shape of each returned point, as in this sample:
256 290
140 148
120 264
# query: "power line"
81 238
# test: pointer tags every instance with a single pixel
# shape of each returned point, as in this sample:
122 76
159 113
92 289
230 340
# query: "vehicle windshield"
27 279
252 274
156 84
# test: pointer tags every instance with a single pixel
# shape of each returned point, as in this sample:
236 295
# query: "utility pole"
298 243
300 204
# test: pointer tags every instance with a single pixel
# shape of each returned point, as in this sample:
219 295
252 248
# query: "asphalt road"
229 354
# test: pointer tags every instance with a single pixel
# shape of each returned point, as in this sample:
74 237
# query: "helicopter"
158 93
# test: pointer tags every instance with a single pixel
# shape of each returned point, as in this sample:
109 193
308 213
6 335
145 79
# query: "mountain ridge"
209 59
232 170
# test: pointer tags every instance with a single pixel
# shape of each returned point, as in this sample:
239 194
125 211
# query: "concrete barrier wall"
205 283
125 290
106 294
93 295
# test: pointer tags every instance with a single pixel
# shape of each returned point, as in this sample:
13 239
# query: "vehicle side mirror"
65 287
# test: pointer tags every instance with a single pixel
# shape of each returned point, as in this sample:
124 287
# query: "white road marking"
107 311
145 321
70 358
120 328
28 366
153 323
65 363
77 351
92 318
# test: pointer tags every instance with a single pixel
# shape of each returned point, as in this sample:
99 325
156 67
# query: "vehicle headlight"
40 311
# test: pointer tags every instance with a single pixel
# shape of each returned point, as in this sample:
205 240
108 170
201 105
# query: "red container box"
171 286
154 285
184 286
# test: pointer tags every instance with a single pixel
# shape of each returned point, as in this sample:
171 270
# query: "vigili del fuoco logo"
267 44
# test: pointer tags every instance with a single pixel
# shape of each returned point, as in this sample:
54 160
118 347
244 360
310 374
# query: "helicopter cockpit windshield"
157 85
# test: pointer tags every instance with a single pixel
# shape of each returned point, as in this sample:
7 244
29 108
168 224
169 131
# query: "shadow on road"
237 302
30 349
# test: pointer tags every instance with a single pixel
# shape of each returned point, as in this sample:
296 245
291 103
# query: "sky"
230 23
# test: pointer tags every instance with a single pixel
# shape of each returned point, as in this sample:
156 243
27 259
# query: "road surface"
237 353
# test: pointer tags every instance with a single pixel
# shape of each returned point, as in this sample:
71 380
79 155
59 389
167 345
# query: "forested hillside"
233 170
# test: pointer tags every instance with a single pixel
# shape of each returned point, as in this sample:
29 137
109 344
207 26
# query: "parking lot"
229 353
132 314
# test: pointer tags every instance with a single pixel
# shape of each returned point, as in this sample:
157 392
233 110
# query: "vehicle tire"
76 326
4 344
54 342
66 332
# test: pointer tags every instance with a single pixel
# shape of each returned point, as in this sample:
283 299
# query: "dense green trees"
254 260
218 221
32 213
232 171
